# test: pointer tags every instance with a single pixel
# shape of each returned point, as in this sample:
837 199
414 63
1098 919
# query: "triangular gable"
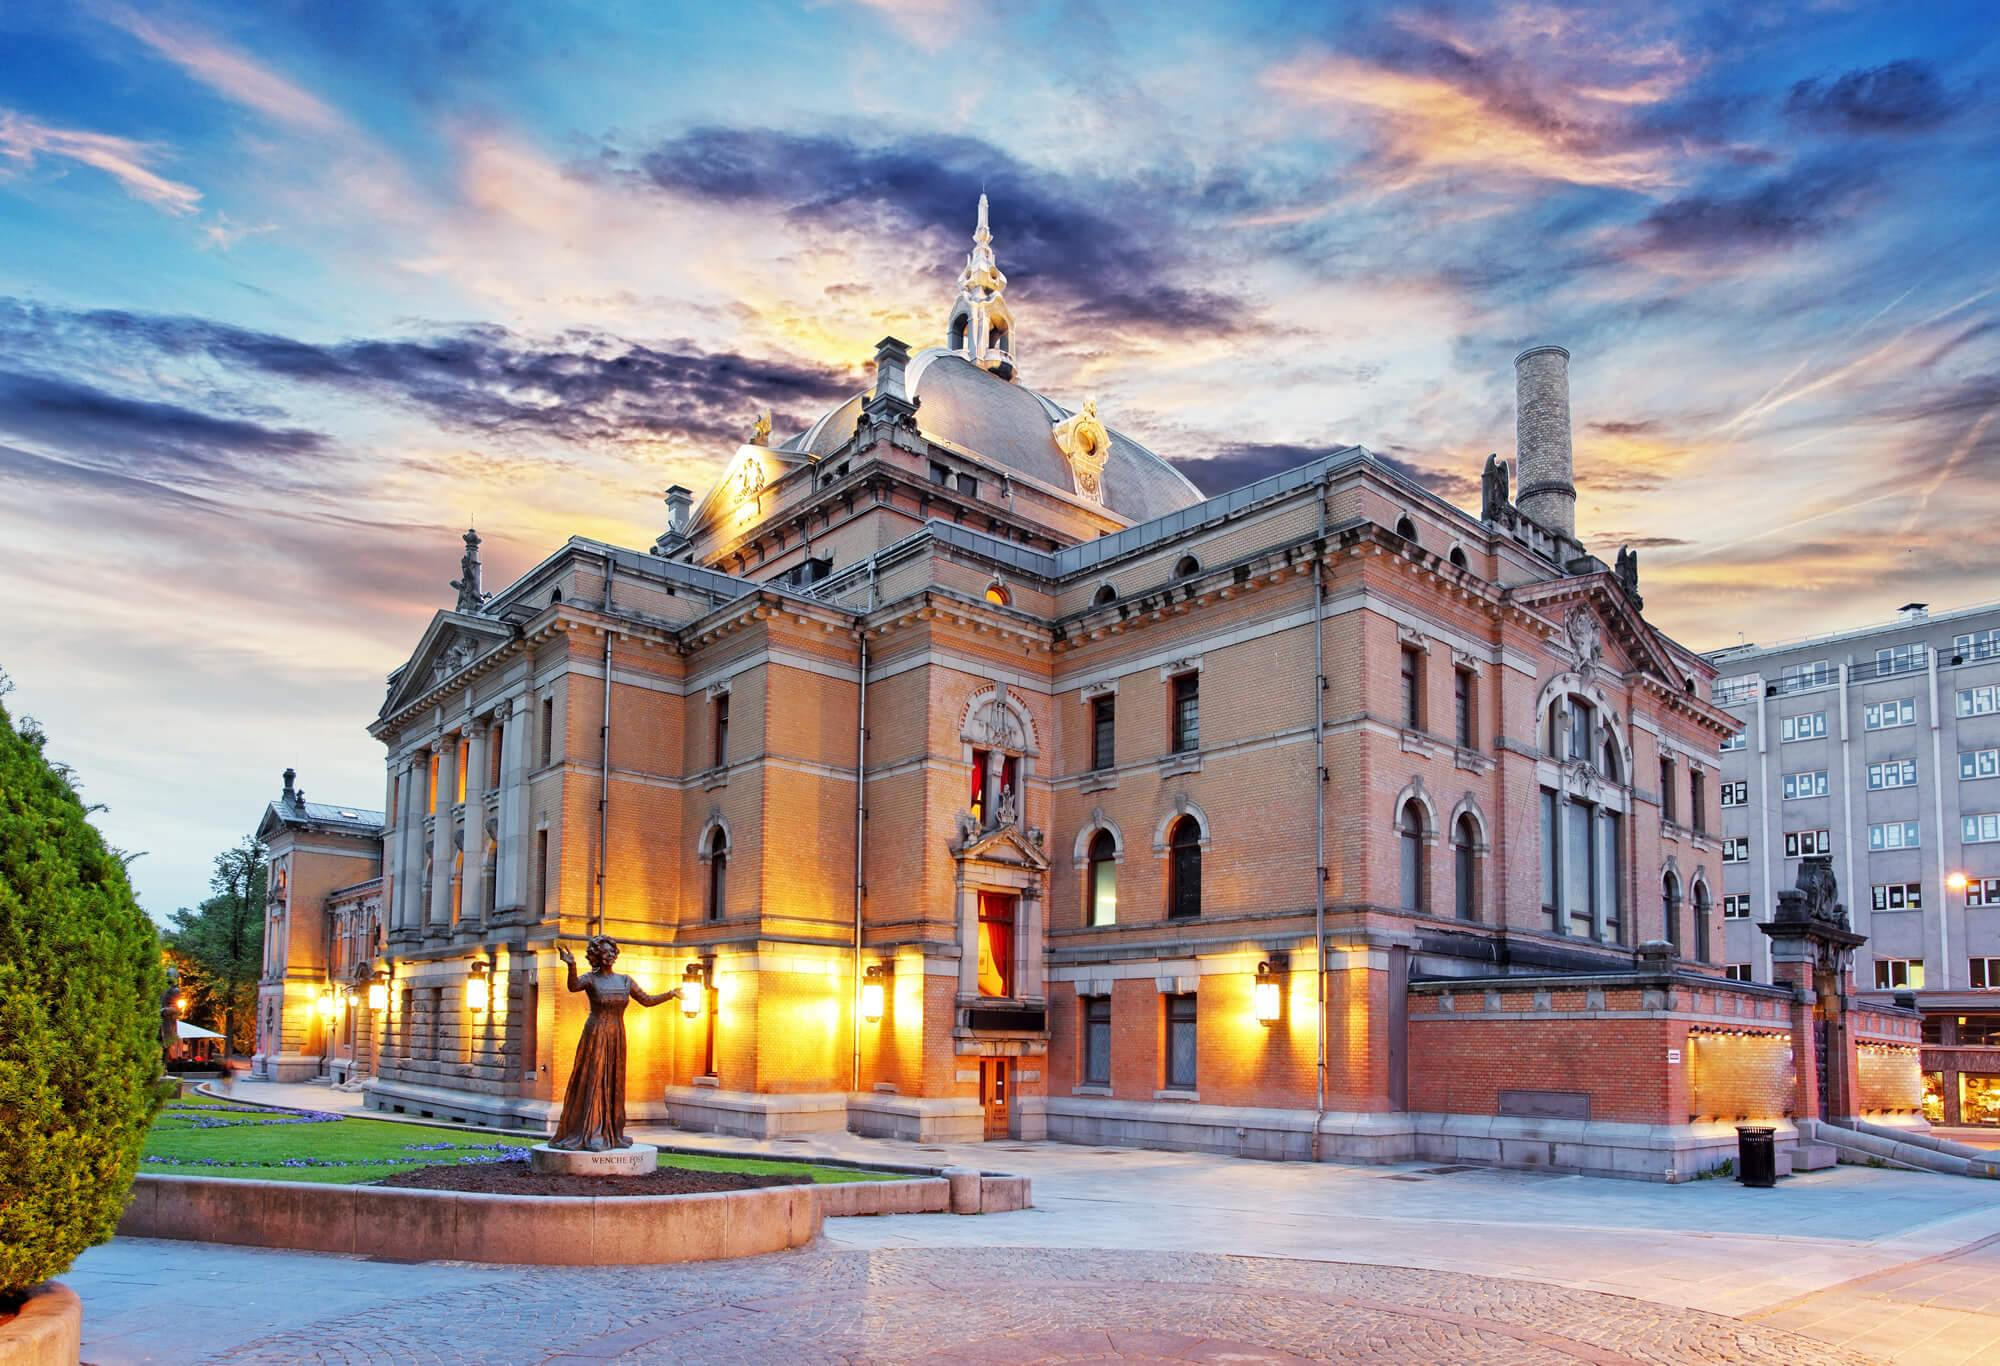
1596 594
742 495
452 641
1003 845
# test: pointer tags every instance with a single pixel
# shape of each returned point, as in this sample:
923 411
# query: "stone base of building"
287 1067
477 1108
919 1119
750 1114
636 1160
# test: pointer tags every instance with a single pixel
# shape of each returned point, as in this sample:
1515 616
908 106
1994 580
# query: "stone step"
1814 1157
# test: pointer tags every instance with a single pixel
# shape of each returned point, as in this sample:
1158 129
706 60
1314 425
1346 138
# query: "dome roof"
1013 427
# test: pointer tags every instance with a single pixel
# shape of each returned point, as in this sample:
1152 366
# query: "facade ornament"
593 1111
1586 641
1492 488
750 479
760 431
1035 838
982 326
1627 573
1007 808
470 598
1813 898
968 828
1086 444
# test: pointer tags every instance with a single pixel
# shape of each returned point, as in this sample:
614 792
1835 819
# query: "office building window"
1897 974
1984 829
1736 850
1983 891
1899 659
1103 732
1977 645
1899 896
1462 709
1097 1040
1893 835
1180 1042
1736 906
1799 785
1885 715
1893 773
1978 701
1979 763
1736 793
1810 726
1187 713
1806 843
1740 740
1814 675
1413 688
1985 973
1737 972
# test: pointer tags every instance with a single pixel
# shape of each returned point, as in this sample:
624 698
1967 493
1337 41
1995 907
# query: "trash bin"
1756 1155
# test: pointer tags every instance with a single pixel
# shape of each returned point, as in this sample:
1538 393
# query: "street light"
1957 882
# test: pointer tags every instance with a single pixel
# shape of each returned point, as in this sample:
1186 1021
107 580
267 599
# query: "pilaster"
471 883
442 850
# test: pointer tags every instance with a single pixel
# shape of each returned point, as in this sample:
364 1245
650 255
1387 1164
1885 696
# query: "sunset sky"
291 291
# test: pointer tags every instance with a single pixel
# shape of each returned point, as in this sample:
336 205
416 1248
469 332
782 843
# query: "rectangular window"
1736 850
968 486
718 712
996 944
1103 732
1698 799
1737 972
1884 715
1899 659
1892 773
1413 688
433 789
464 763
1097 1040
1579 731
1461 699
1739 740
940 474
548 729
1979 829
1668 810
1736 793
1985 973
1978 763
1806 843
541 871
1809 726
1580 874
1895 974
1899 896
1983 892
1549 863
1180 1043
1977 645
1799 785
1893 835
1187 713
1978 701
1814 675
1736 906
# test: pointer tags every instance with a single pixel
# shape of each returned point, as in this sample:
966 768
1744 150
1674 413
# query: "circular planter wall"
47 1332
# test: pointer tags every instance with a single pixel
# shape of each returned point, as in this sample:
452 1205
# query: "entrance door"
993 1081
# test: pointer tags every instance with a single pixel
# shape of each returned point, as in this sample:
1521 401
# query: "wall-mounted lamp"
694 987
1264 997
378 991
478 985
873 983
329 1003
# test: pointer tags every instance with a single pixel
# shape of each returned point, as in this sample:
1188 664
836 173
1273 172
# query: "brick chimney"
1547 492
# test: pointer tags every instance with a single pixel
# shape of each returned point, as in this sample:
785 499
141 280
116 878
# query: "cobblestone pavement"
991 1306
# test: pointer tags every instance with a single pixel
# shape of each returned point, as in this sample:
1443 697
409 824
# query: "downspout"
860 818
604 754
1319 826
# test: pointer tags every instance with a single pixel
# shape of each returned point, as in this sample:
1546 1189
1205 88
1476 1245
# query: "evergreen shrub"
80 984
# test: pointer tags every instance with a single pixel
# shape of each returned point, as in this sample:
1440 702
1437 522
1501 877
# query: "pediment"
452 641
1596 627
1005 845
740 498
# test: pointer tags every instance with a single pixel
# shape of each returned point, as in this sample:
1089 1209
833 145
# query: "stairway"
1859 1142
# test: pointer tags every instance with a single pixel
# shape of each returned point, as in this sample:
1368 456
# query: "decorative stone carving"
1493 488
750 479
982 326
1812 899
470 597
1584 637
760 431
1086 444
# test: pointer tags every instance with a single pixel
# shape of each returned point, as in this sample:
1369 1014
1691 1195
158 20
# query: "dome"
1013 427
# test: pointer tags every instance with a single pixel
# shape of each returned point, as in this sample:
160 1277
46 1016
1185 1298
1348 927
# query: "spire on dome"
982 326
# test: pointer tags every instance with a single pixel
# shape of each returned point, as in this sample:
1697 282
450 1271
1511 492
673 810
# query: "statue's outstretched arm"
647 998
569 961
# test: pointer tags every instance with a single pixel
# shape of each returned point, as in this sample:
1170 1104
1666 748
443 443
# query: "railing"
1743 689
1917 660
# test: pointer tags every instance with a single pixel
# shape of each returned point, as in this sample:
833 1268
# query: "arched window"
1670 908
1609 765
1465 868
1701 907
958 322
718 873
1458 558
1187 567
1406 528
1103 885
1105 594
1410 831
997 594
996 340
1184 869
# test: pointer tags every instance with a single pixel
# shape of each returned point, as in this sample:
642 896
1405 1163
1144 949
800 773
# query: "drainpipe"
604 754
860 817
1319 827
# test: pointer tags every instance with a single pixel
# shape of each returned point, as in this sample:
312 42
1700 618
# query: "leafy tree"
80 984
219 945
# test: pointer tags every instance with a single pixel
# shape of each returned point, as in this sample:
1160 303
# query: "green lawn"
367 1148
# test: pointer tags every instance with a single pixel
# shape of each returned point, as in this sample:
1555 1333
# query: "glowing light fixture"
329 1003
872 993
378 992
694 987
180 1003
1265 999
1957 882
478 986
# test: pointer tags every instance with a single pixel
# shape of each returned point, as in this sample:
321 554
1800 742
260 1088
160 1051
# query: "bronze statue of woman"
593 1113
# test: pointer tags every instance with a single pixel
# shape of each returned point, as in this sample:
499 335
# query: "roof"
349 820
1009 425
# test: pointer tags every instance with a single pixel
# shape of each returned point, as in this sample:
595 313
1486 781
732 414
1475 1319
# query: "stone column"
442 851
510 865
471 887
407 910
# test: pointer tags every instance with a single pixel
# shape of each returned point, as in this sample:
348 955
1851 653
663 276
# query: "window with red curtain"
978 803
996 944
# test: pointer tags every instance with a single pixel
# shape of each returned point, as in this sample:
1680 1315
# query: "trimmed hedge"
80 984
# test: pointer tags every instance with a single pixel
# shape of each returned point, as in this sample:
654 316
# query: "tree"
219 945
80 984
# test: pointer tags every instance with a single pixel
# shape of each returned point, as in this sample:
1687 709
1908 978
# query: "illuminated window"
1103 865
1893 974
997 595
996 944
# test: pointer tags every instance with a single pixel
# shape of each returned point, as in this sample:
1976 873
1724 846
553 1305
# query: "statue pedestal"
636 1160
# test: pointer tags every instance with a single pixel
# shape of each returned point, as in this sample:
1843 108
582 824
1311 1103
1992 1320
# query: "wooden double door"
996 1085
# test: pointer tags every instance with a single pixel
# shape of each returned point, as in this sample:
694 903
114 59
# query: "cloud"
1901 97
1775 214
22 140
1643 542
228 72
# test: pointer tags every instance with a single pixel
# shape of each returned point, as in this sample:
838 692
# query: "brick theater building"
986 779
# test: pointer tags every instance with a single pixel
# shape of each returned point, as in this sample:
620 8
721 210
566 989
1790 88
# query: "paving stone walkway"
992 1307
